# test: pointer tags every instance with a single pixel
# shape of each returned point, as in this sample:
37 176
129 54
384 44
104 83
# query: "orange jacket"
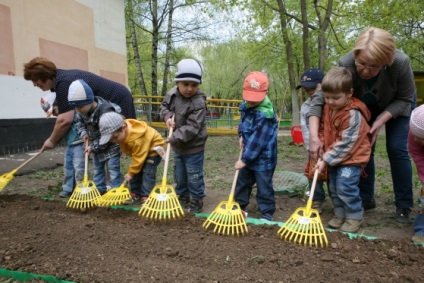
346 134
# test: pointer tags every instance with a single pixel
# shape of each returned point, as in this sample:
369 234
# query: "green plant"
47 175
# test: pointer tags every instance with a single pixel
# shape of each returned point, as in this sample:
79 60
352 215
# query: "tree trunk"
290 65
168 49
135 48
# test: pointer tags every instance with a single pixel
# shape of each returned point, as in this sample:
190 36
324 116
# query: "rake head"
162 204
5 179
115 196
228 219
304 227
85 195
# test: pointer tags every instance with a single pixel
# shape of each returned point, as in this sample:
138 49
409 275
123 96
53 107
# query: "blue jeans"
188 175
113 165
400 164
319 193
265 190
73 168
344 191
143 182
419 225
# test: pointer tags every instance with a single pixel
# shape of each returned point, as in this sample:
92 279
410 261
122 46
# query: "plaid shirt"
89 125
259 127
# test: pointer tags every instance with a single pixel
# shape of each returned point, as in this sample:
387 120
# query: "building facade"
74 34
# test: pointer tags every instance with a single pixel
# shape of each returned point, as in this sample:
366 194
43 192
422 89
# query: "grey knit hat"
188 70
109 123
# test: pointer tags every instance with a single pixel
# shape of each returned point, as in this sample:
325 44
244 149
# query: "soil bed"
116 245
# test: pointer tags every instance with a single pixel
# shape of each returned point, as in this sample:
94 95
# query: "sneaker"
133 199
351 226
143 200
184 201
195 206
266 216
245 214
367 205
317 204
64 194
102 192
418 240
336 222
402 215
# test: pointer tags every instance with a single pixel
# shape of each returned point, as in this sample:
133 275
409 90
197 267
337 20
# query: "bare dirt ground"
116 245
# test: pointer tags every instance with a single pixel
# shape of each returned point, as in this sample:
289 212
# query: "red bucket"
296 133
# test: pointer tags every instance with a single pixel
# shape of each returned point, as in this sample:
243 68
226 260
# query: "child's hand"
239 165
87 150
127 177
320 165
85 138
170 123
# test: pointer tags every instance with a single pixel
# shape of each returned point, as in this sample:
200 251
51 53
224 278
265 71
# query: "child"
347 148
257 132
140 142
416 149
89 109
311 82
73 169
187 103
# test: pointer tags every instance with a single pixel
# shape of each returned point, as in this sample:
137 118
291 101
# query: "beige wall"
65 32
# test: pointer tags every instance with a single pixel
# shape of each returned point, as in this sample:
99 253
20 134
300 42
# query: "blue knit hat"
80 93
188 70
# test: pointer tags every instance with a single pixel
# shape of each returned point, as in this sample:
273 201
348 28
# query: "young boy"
139 141
257 132
310 83
73 168
347 148
89 109
187 103
416 149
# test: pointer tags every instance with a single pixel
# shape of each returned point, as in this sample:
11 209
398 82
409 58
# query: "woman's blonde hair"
379 45
338 79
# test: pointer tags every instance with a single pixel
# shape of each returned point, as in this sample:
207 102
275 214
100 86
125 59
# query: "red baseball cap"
255 87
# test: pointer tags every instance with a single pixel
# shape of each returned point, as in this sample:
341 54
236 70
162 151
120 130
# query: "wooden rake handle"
28 161
314 183
233 187
168 151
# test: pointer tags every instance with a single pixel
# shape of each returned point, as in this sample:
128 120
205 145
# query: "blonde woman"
384 81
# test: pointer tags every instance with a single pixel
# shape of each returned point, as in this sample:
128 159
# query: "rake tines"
84 196
228 219
304 229
115 196
162 204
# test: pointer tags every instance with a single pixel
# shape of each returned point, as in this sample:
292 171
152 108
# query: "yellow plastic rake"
7 177
162 203
304 227
85 194
115 196
228 217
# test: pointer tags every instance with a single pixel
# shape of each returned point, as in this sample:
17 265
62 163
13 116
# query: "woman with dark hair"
44 74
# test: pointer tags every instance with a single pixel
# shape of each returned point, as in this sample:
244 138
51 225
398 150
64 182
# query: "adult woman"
44 74
383 80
